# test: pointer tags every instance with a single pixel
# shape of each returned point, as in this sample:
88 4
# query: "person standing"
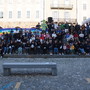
44 26
38 26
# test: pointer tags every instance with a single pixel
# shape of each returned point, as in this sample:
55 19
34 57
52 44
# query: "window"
37 14
55 3
19 1
19 14
67 2
84 18
1 1
66 16
10 14
10 1
1 14
84 6
55 14
28 14
37 2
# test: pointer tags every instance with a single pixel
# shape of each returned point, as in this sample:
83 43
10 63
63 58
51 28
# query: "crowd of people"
55 38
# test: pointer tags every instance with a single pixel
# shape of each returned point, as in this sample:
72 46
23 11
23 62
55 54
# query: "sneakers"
51 54
62 53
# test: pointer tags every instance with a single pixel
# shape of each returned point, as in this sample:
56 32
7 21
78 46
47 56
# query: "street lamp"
43 9
76 11
58 10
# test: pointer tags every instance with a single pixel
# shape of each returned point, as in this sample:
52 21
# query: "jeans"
82 50
10 50
55 50
6 50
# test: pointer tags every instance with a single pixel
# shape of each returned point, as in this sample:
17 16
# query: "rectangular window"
37 14
1 14
19 14
84 6
28 14
1 1
10 14
67 2
84 18
21 1
55 3
55 15
66 16
10 1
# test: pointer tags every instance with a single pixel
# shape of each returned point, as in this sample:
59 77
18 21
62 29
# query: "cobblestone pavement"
73 74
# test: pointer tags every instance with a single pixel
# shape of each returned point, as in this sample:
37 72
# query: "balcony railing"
62 6
70 20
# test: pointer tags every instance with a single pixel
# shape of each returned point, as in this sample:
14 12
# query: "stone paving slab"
73 74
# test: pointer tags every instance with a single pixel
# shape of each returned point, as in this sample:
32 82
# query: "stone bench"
7 67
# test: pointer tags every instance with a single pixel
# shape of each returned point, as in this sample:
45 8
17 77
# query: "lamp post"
43 9
76 11
58 10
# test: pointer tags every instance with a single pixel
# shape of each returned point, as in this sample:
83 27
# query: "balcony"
70 20
62 6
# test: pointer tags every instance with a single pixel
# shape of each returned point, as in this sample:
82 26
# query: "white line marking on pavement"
88 80
17 86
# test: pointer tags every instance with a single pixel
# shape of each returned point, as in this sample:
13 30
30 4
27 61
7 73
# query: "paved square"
73 74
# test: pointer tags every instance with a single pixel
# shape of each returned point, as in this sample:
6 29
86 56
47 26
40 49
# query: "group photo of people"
55 38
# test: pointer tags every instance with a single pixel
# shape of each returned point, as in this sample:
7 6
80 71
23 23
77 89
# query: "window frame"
1 14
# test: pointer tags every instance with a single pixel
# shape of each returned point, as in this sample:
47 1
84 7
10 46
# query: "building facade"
27 13
83 7
61 10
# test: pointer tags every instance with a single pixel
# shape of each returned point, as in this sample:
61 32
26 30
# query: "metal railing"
71 20
61 6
